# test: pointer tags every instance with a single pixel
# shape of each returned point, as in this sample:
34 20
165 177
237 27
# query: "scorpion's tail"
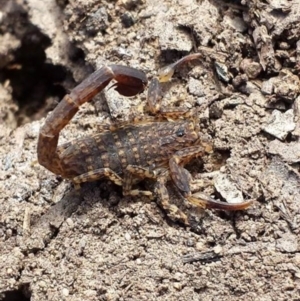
129 82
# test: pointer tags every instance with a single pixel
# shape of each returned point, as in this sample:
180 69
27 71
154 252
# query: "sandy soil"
56 244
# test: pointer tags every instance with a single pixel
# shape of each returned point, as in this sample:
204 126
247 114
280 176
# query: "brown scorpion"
150 148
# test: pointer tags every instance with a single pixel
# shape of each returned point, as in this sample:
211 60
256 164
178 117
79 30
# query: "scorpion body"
145 149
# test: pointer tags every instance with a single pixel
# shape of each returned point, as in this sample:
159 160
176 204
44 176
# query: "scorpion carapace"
149 148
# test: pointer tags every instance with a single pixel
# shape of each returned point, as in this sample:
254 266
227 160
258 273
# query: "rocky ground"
58 245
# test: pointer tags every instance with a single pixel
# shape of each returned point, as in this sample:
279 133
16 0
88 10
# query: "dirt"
57 244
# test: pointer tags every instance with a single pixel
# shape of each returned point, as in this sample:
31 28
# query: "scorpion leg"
154 98
139 172
129 82
165 74
154 92
98 174
172 210
182 178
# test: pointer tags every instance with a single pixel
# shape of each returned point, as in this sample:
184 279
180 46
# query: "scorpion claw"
204 201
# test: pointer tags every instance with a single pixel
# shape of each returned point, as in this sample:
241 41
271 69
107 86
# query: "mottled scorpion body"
149 148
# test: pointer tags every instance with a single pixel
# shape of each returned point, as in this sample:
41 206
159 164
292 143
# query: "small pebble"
127 236
65 292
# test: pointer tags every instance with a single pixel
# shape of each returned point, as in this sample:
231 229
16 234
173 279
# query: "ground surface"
56 245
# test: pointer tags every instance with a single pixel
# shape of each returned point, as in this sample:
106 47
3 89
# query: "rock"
228 189
280 124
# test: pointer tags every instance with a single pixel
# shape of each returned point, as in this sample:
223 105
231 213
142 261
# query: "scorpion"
156 148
